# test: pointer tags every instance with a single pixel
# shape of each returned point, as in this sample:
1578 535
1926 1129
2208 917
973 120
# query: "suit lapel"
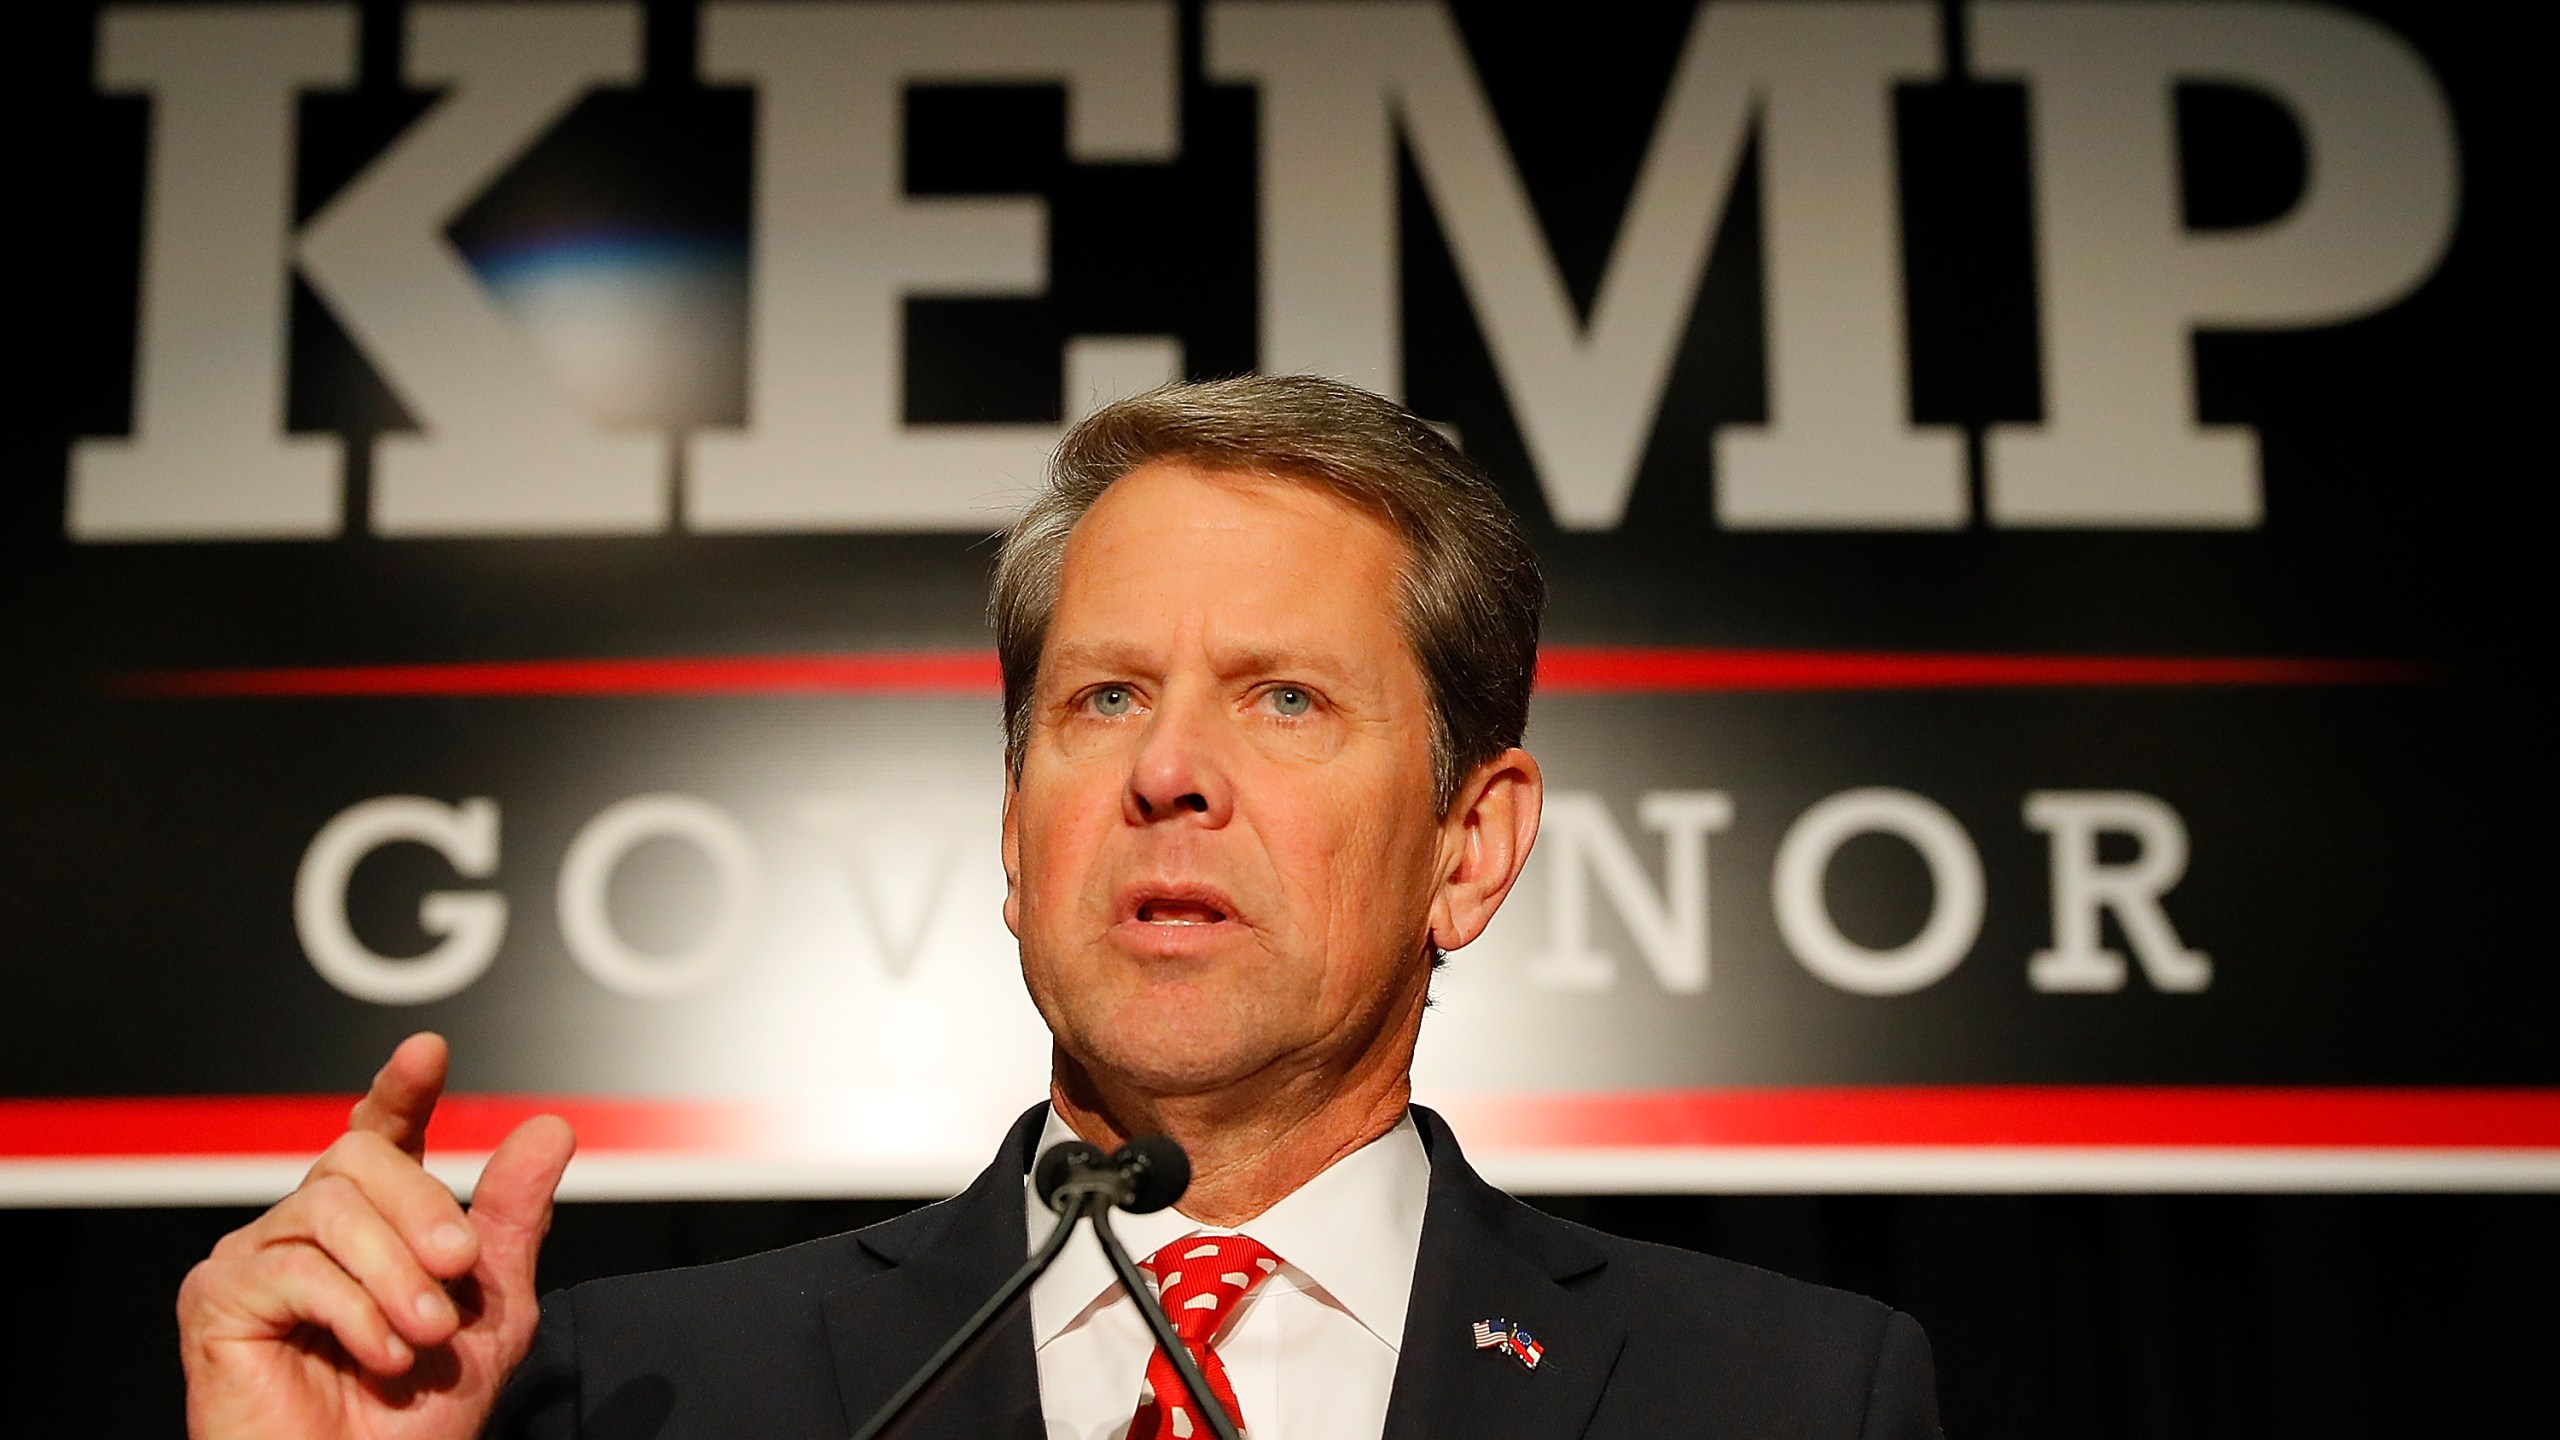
944 1261
1486 1256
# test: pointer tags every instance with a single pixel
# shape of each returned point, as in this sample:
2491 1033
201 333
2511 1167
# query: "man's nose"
1179 771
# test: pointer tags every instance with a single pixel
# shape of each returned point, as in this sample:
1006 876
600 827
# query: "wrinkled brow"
1120 657
1089 657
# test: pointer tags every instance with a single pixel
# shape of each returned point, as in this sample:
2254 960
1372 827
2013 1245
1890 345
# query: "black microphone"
1141 1177
1077 1180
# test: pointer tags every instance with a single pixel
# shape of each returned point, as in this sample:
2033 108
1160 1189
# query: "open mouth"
1179 912
1166 907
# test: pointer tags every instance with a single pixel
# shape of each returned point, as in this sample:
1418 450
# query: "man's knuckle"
319 1293
317 1277
346 1230
194 1291
244 1240
360 1150
317 1283
325 1193
411 1200
331 1161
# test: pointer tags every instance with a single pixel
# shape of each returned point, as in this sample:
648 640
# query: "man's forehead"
1261 570
1172 524
1250 494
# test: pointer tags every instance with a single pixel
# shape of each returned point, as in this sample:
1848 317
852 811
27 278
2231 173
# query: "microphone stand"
1221 1425
1081 1202
998 1305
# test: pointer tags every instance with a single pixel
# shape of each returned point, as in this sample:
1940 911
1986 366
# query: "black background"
2396 854
2364 868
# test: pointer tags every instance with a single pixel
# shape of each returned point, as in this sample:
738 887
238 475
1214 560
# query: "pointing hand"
369 1303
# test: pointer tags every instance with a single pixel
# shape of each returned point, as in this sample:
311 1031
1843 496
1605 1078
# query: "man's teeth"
1162 913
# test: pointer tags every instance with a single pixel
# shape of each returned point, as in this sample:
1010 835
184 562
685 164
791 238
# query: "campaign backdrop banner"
500 497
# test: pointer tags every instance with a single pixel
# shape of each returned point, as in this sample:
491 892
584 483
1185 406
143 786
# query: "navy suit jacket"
1641 1340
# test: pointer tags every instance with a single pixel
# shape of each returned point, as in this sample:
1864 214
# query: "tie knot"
1200 1278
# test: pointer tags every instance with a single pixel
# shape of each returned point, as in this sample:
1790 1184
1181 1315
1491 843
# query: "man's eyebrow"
1095 655
1278 660
1123 657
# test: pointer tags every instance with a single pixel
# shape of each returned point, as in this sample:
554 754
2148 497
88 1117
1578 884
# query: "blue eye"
1291 701
1113 700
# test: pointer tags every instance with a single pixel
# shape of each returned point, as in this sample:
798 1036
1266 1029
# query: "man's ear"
1009 850
1484 844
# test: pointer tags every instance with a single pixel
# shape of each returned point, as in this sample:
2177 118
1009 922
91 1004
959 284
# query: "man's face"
1223 839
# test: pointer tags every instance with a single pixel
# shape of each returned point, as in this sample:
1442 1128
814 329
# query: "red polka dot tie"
1200 1279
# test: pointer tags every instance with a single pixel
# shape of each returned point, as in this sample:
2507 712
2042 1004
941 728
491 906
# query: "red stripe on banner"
1602 670
929 672
1562 669
1951 1116
2026 1115
305 1124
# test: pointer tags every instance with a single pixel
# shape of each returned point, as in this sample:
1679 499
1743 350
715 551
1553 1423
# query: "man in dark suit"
1639 1340
1267 647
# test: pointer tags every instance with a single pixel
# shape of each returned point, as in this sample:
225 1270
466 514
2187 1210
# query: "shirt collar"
1352 1234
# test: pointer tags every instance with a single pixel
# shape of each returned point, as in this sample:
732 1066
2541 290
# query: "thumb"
511 1206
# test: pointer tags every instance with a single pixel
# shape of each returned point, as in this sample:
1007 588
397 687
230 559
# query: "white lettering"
895 868
471 922
1955 876
1818 81
840 246
2082 887
209 457
1669 925
586 873
505 449
2123 286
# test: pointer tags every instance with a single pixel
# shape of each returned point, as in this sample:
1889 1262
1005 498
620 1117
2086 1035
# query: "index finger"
404 1093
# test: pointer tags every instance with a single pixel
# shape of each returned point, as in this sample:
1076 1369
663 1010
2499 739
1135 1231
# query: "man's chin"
1169 1061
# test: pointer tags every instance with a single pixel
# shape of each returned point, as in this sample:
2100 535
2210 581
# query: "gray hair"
1471 592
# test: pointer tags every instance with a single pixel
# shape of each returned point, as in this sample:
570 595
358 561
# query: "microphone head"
1157 1171
1059 1164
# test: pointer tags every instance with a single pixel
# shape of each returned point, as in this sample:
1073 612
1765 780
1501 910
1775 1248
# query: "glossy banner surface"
496 543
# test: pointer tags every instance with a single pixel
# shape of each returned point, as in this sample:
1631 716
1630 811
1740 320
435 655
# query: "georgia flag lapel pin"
1511 1340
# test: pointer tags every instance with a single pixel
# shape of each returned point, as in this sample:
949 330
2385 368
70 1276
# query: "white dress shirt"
1312 1351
